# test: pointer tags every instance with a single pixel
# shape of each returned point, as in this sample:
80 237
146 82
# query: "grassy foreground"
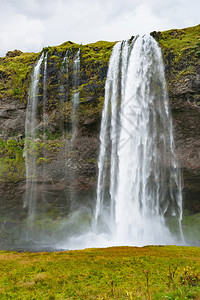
151 272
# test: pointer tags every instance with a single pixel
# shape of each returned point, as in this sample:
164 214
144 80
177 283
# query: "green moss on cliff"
94 60
12 162
181 50
12 167
180 41
15 76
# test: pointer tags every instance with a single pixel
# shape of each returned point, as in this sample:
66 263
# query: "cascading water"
71 162
30 135
137 149
139 183
76 93
64 72
44 121
42 189
45 92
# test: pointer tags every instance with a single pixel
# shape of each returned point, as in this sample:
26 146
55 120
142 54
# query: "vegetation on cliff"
15 73
181 51
12 166
15 76
16 68
93 69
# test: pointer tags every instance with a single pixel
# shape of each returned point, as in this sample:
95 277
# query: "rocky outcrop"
12 120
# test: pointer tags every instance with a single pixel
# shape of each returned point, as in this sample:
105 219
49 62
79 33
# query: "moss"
180 48
12 167
14 53
180 41
15 74
12 163
93 69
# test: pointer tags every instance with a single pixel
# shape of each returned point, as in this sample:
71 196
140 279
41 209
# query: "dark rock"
14 53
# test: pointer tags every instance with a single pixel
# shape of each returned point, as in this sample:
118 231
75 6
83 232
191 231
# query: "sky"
30 25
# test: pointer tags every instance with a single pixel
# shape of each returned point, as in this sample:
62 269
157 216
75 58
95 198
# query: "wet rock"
12 121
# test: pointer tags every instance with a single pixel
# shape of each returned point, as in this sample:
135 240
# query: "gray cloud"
34 8
30 25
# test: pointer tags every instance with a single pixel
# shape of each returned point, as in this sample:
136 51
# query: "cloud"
30 25
19 31
35 9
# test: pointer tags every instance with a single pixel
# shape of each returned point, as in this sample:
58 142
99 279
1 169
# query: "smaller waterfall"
71 154
29 149
39 181
63 80
76 93
45 92
44 172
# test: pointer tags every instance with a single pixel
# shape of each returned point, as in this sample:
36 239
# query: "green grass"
152 272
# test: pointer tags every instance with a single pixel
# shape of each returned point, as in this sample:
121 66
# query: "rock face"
181 55
12 120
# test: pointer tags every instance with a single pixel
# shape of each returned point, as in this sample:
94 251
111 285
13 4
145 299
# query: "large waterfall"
137 152
139 184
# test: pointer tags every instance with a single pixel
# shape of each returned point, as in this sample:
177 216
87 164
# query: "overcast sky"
30 25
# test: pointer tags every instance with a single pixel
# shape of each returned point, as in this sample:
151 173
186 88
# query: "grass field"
151 272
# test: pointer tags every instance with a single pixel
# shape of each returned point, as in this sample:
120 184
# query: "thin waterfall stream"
76 93
31 123
41 186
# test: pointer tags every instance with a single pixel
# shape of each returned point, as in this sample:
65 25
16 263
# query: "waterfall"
139 184
29 148
71 153
39 180
45 92
63 81
76 93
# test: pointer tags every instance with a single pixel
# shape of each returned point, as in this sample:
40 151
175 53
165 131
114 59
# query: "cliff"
181 55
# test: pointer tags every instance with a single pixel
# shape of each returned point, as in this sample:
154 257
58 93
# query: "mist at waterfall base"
139 183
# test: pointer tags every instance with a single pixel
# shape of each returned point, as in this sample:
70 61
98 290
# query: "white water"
45 92
76 93
37 177
139 184
63 81
29 149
